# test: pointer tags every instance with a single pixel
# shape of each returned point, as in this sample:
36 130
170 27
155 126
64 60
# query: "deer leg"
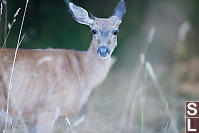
45 122
3 94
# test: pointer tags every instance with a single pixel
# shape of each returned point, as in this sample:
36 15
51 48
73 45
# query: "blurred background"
157 66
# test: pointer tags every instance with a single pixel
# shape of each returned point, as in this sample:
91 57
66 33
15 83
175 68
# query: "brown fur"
52 83
62 81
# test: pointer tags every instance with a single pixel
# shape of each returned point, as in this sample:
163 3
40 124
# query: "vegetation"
146 90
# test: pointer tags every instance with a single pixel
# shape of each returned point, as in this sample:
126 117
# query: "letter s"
192 108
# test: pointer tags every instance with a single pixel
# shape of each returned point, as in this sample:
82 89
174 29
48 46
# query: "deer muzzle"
103 51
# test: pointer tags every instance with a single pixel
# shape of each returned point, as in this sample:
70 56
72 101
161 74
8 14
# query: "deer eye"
94 31
115 32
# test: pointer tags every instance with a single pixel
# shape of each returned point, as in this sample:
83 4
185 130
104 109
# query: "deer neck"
98 68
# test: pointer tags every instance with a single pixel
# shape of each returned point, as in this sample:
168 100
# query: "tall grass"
19 41
10 27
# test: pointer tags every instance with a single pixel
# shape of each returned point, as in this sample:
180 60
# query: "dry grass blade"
10 27
131 94
10 85
69 123
1 11
164 101
166 127
6 17
135 82
13 65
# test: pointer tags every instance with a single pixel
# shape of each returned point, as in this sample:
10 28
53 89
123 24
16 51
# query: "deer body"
65 76
52 83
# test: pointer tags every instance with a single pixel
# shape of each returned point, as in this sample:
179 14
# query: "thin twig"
1 10
15 56
10 81
159 90
6 17
166 127
20 31
132 91
143 99
9 29
69 123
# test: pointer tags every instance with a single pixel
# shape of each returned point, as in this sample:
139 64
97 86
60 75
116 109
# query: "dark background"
48 23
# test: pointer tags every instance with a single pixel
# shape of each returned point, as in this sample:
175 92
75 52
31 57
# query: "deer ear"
80 14
120 10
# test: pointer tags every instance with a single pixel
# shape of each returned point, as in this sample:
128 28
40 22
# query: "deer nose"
103 51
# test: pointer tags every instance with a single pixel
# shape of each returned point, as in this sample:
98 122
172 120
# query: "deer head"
104 30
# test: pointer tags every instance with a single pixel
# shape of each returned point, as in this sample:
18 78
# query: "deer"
48 84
